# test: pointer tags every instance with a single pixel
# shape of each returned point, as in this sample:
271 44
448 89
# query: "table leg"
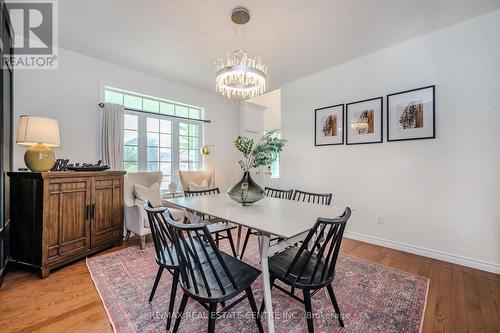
266 283
238 241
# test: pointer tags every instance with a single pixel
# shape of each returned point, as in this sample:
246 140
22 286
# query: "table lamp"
39 134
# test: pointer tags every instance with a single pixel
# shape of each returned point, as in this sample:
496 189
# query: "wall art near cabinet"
328 125
364 121
411 114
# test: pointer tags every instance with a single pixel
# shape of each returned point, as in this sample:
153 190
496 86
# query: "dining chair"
273 193
311 270
208 275
319 198
215 225
278 193
165 253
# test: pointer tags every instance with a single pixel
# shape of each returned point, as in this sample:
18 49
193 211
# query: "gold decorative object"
39 134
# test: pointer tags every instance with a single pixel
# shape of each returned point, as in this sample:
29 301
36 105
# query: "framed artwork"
328 125
364 121
411 114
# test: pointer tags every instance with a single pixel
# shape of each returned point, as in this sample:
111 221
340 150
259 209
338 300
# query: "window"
275 166
155 141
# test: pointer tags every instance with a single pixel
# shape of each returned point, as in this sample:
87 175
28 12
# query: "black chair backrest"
319 198
214 190
277 193
323 253
200 261
162 238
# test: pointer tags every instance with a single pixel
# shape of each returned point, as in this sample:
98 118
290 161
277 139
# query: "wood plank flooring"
460 299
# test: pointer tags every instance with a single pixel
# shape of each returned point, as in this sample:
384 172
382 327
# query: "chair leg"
335 304
247 237
212 316
127 235
253 305
143 242
217 236
173 292
182 307
230 238
155 285
307 303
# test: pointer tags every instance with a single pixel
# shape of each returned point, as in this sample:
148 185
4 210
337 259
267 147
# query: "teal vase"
246 191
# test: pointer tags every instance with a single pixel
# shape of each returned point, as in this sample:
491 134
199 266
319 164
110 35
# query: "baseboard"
434 254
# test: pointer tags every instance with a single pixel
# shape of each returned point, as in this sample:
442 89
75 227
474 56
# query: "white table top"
285 218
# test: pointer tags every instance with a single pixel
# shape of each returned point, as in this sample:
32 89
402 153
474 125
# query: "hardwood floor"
460 299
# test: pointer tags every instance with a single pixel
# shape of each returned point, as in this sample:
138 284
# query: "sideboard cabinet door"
67 223
107 210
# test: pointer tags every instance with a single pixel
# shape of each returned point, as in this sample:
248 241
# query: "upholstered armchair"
196 177
136 219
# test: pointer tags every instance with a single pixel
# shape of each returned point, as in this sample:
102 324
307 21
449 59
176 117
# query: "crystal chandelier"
239 75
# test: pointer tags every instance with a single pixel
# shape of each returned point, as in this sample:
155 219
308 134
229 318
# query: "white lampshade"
34 130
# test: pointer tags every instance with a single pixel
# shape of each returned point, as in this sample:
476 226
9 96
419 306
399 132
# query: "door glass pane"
166 168
130 153
131 166
153 154
153 166
165 140
130 137
131 122
153 139
165 126
165 154
153 125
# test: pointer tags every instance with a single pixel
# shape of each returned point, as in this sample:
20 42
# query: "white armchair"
197 177
136 219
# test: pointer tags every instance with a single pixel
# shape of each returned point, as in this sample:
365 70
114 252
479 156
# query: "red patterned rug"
372 298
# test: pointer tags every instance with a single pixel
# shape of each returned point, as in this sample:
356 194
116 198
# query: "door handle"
93 211
87 212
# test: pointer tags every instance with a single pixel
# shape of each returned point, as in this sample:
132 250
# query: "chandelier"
239 75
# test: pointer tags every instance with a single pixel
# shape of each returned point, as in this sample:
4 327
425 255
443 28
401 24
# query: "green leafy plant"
262 153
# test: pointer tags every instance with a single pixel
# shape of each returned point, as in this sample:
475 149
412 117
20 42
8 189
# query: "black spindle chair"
272 193
165 254
215 226
311 270
319 198
208 275
278 193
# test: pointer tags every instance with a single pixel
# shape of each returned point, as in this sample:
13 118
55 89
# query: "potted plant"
262 153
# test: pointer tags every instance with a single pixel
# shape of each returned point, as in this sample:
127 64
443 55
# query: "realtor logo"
35 34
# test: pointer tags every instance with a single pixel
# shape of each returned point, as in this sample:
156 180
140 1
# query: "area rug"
372 298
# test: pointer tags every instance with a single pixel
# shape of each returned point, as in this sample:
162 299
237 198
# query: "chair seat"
215 227
243 274
279 264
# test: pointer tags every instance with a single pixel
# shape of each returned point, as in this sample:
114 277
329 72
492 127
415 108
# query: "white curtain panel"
112 136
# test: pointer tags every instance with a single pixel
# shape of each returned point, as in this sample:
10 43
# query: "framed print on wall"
364 121
328 125
411 114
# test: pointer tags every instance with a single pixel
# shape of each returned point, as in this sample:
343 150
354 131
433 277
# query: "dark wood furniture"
311 270
278 193
6 118
165 254
319 198
59 217
216 226
208 275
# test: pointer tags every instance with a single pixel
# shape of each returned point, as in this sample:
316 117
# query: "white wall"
71 94
272 115
439 197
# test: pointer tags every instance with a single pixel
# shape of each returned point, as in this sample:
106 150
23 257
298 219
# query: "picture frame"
364 121
329 125
411 114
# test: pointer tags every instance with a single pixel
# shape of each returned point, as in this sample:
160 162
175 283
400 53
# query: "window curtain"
112 136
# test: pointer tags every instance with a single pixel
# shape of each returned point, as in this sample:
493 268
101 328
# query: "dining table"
287 219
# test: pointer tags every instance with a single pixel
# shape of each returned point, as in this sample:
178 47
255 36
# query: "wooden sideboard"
59 217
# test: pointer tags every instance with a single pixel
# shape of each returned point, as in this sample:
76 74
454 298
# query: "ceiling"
179 40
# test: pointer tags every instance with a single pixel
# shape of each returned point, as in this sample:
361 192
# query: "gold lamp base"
39 158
